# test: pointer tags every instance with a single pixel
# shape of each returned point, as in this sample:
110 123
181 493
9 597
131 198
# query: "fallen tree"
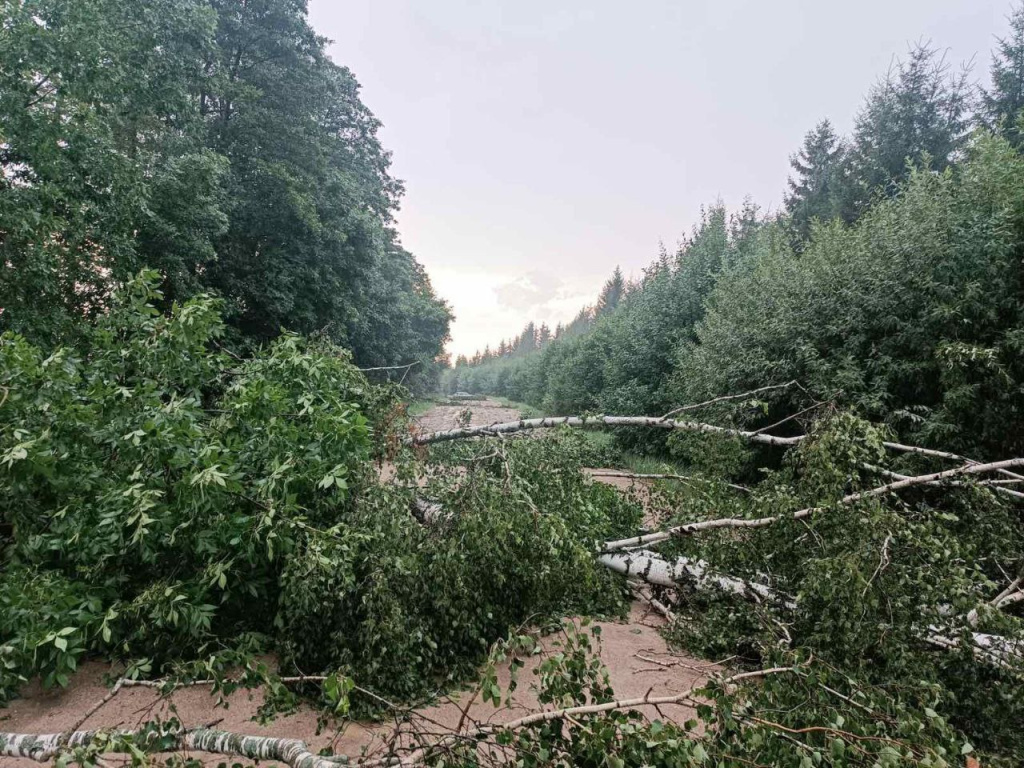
708 525
44 748
550 422
652 422
654 569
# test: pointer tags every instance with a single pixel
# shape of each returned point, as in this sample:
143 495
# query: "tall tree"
612 292
1003 104
817 188
99 140
543 335
215 141
917 110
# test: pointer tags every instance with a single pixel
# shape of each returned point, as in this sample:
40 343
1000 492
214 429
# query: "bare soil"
483 413
637 657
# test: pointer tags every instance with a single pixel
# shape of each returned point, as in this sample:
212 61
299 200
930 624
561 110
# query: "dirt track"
635 653
483 412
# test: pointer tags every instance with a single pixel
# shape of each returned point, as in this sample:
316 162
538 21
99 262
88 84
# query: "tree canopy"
215 142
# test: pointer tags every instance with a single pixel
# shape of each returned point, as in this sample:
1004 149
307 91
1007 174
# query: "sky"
544 143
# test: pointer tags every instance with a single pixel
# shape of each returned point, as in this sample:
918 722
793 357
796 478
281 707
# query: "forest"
214 478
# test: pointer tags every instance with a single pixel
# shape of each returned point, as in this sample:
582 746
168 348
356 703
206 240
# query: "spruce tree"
612 293
917 111
1003 104
816 190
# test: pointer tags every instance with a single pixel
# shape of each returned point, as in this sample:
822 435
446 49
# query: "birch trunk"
761 522
292 752
549 422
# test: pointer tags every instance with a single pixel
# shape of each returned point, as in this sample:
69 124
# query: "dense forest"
890 284
213 141
210 478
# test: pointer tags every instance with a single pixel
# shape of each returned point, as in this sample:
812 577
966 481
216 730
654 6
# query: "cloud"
490 306
532 292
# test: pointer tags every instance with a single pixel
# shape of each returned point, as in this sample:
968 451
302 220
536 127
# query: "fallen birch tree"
651 568
43 748
654 422
761 522
549 422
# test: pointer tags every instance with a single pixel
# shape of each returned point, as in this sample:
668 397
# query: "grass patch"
525 411
650 465
419 407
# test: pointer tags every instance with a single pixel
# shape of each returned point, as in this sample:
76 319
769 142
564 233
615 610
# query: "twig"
389 367
97 706
883 563
724 398
646 700
796 415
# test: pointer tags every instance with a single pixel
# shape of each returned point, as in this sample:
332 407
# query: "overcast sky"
542 143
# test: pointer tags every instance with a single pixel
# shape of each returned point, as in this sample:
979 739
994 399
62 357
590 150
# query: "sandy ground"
637 658
635 653
483 412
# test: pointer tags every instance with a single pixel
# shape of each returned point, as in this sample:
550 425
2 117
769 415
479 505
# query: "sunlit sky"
544 143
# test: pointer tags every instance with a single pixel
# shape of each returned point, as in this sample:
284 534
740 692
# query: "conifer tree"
612 293
1003 104
917 111
816 190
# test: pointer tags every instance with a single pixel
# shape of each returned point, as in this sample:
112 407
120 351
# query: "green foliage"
215 142
162 496
912 316
805 714
406 606
870 582
156 485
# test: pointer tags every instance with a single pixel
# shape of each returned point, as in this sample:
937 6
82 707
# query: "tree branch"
761 522
596 421
725 398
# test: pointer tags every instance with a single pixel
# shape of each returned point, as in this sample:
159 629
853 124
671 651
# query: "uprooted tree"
161 495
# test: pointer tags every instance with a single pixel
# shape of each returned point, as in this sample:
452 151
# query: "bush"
164 500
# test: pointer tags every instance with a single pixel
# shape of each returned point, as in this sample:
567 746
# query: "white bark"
597 421
654 569
648 566
292 752
995 485
761 522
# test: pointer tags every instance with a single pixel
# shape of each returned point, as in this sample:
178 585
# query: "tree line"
216 142
890 283
535 338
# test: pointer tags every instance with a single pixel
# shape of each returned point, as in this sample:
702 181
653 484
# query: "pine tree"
917 110
543 335
1003 104
816 191
611 293
528 339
